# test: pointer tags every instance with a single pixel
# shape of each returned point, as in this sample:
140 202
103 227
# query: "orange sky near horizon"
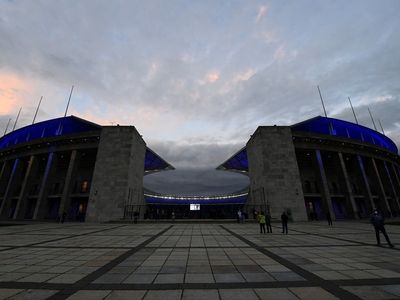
13 91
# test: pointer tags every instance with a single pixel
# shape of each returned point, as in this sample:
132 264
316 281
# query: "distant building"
95 173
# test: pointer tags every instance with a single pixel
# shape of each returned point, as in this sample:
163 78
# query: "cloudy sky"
196 78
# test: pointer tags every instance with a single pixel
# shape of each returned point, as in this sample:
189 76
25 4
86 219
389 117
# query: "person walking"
329 218
261 221
268 222
378 222
173 216
63 217
239 216
284 219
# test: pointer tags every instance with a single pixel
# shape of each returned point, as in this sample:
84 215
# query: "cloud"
13 90
262 11
195 182
212 77
267 37
200 79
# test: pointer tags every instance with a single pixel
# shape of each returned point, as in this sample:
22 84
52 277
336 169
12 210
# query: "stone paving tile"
6 293
199 278
66 278
275 293
286 276
373 292
140 278
312 293
385 273
111 278
331 275
169 278
12 276
38 277
200 295
89 295
257 277
199 254
163 295
228 277
33 294
237 294
124 295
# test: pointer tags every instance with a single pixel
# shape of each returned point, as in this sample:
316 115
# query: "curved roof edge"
340 128
59 127
49 128
237 163
153 163
239 197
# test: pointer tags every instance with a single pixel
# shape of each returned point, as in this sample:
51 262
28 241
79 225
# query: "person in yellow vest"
261 221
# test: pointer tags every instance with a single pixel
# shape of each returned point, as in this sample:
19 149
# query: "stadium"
95 173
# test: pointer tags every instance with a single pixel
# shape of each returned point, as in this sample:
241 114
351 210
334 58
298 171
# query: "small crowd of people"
264 220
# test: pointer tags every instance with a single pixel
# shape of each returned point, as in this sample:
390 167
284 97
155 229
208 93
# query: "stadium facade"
95 173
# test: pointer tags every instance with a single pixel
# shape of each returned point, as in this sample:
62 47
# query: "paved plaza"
197 261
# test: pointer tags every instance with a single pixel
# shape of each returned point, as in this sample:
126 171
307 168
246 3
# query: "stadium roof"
237 163
236 198
66 126
344 129
50 128
320 125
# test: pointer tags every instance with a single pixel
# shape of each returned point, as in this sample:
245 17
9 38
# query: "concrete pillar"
325 188
396 176
349 190
43 191
382 190
10 187
72 166
32 164
3 169
395 195
274 172
365 179
3 172
119 168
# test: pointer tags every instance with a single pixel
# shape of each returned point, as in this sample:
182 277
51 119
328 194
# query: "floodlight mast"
69 100
326 115
37 109
383 131
352 108
16 120
322 101
373 122
8 123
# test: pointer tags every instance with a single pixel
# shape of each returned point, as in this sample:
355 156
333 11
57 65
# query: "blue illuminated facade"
47 129
297 156
344 129
237 162
154 163
65 126
324 126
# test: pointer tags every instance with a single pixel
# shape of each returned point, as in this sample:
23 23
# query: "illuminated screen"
194 206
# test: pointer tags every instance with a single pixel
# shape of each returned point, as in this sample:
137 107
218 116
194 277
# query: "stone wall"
274 174
118 174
